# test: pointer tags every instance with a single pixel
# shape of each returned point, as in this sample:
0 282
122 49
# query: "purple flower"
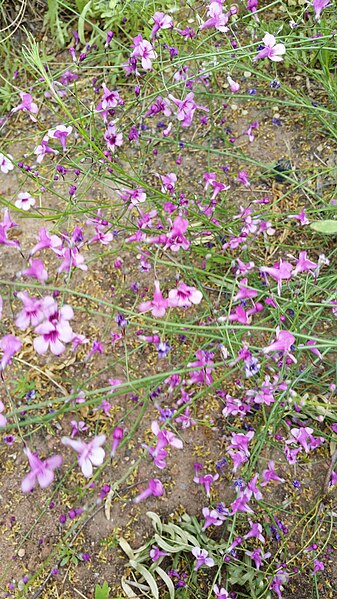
212 518
318 6
283 343
155 488
117 436
318 566
61 133
156 553
161 21
54 331
10 345
89 454
271 49
157 306
202 558
184 296
27 105
269 474
41 472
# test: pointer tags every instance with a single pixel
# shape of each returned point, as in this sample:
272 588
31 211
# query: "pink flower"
249 130
184 296
157 306
133 196
233 85
318 6
206 481
41 472
24 201
301 217
220 593
176 237
284 341
186 109
168 182
61 133
304 437
117 436
72 258
5 163
255 532
113 139
110 100
303 264
244 291
257 556
45 240
269 474
3 419
318 566
212 518
281 271
161 21
34 310
217 18
54 332
144 50
89 454
241 504
44 149
156 553
10 345
27 105
201 555
36 270
155 488
271 49
244 179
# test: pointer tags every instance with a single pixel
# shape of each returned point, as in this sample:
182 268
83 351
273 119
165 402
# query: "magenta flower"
282 270
255 532
277 583
206 481
36 270
212 518
6 164
157 306
186 109
109 101
27 105
155 488
156 553
252 488
72 258
161 21
34 310
44 149
61 133
10 345
184 296
41 472
3 419
301 217
283 343
217 18
318 6
89 454
304 437
24 201
241 504
233 85
257 556
45 240
244 291
271 49
220 593
269 474
176 237
318 566
117 436
54 332
201 555
144 50
113 139
304 264
240 441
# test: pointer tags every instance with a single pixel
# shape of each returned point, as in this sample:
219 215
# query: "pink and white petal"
67 312
28 483
77 445
45 478
276 59
158 312
97 456
56 347
55 461
279 49
86 466
145 306
40 345
269 40
98 441
3 420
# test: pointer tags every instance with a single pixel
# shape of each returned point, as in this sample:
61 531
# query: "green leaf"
147 577
126 548
102 592
81 22
327 227
167 581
